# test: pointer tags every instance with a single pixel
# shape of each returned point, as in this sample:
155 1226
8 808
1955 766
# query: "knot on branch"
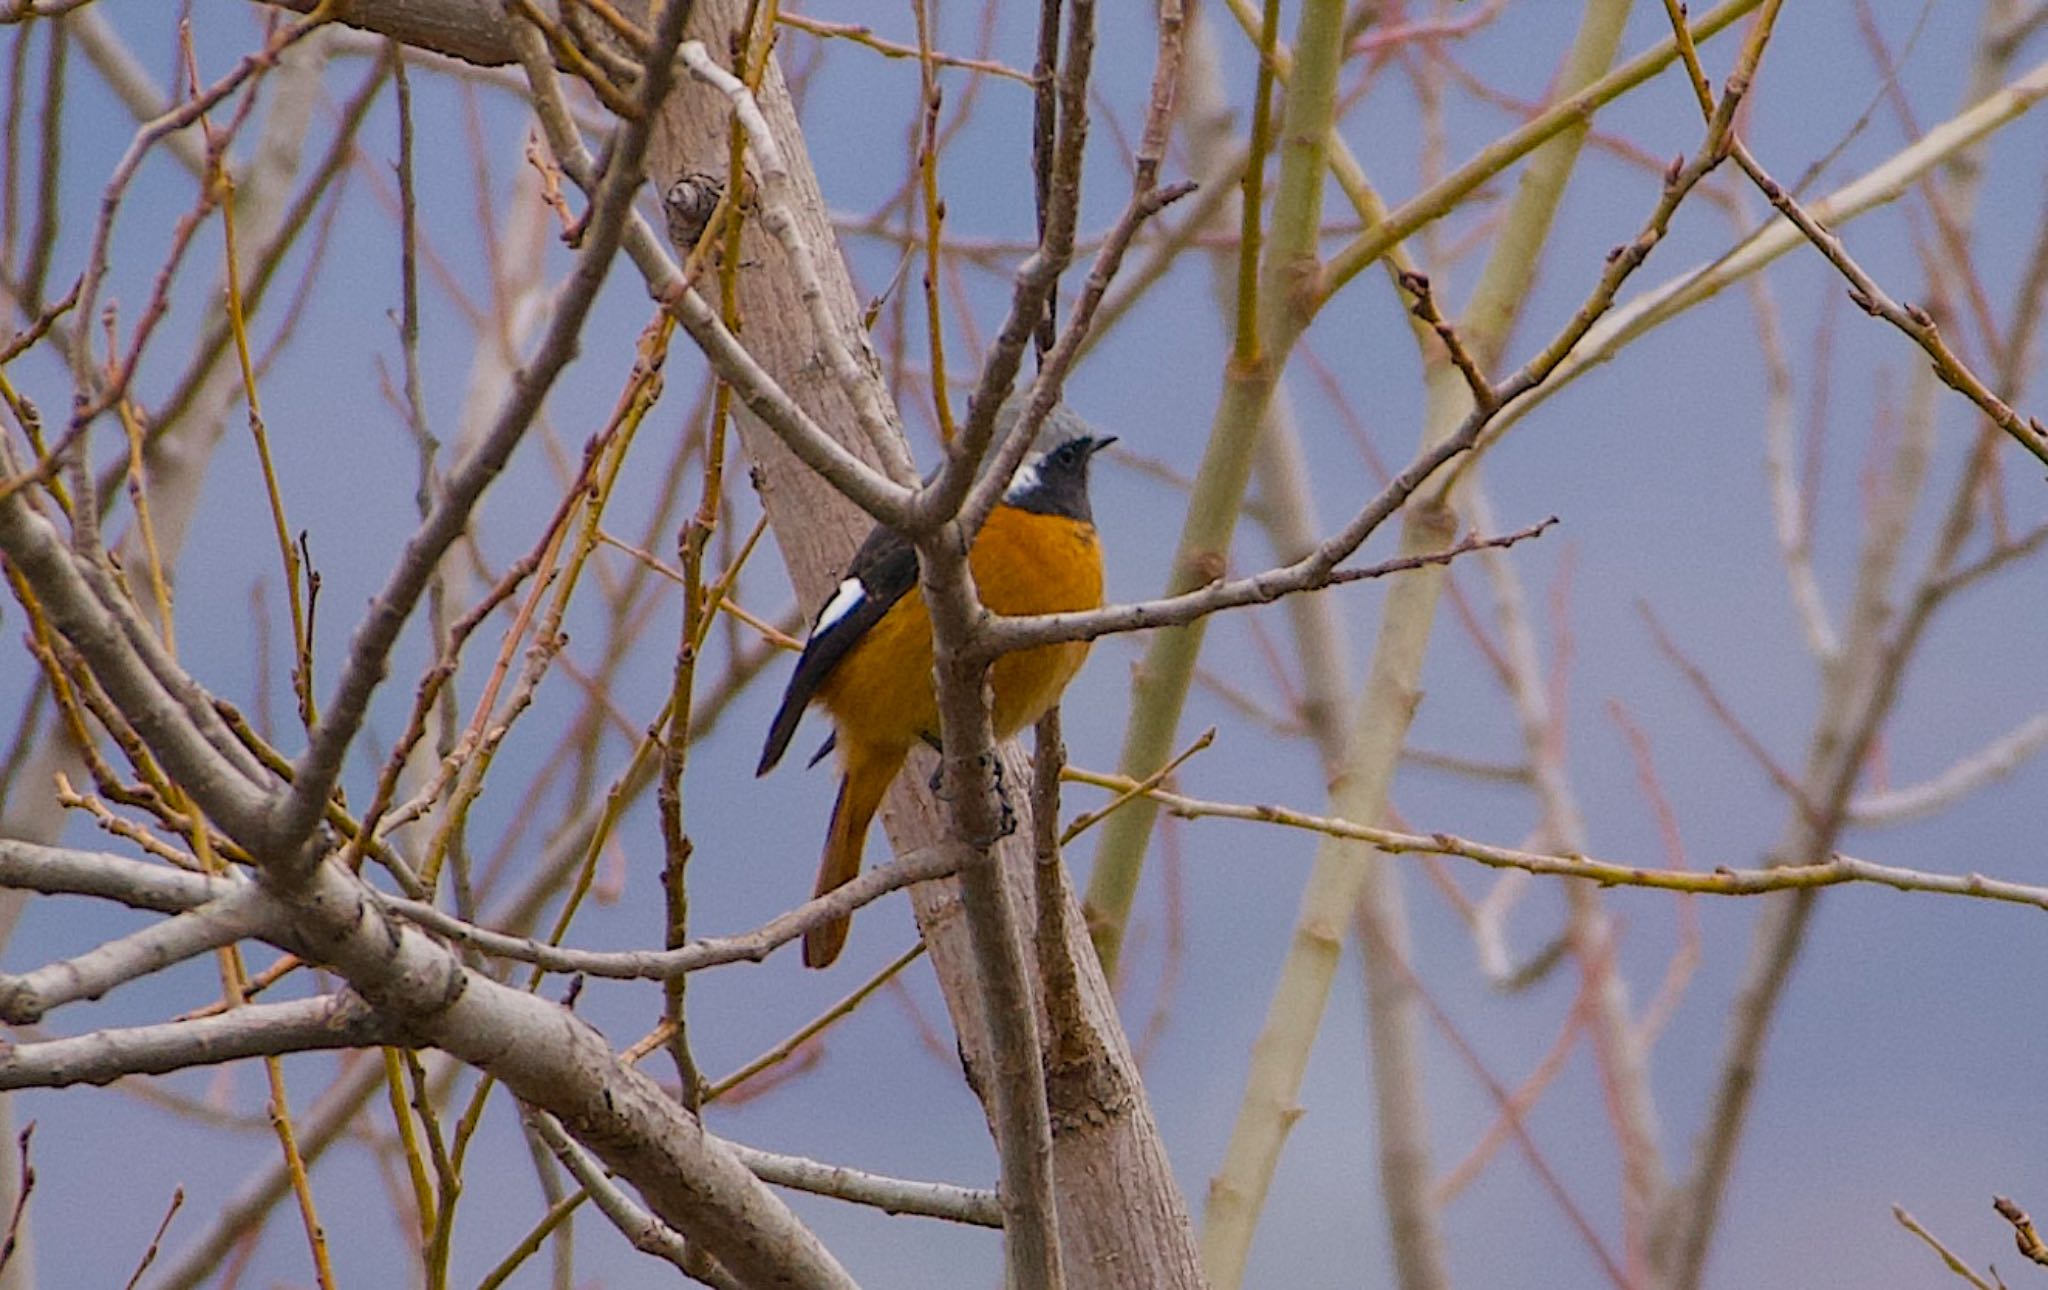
689 203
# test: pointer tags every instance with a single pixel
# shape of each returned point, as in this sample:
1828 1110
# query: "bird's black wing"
883 570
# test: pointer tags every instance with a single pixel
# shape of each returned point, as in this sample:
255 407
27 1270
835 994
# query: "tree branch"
62 871
1834 872
70 593
1000 635
763 395
1915 322
339 1020
661 965
369 650
244 912
779 219
890 1195
642 1230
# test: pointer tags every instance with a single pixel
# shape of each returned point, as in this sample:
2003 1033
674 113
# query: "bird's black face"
1055 482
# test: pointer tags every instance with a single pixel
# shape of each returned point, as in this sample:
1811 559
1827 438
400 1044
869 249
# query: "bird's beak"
1097 444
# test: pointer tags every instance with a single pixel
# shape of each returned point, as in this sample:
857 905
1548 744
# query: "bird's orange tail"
860 794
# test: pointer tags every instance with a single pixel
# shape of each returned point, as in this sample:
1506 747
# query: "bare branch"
1036 280
1948 1257
1564 115
369 651
25 998
1607 1013
776 215
1987 765
1056 241
643 1230
1914 321
62 871
661 965
763 395
182 732
891 1195
131 83
1468 365
244 1211
180 117
1052 371
156 1242
1833 872
340 1020
546 1056
999 635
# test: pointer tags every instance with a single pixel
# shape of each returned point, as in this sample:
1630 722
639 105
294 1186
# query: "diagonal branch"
68 591
1915 322
661 965
763 395
1993 762
369 651
1949 1257
543 1054
62 871
642 1230
778 218
1312 572
1559 118
340 1020
891 1195
1036 280
1835 871
245 912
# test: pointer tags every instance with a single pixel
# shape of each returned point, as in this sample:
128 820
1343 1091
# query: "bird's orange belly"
1022 564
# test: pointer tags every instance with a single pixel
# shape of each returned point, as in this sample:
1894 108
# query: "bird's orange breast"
1023 563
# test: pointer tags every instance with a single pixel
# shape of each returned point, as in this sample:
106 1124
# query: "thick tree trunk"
1123 1220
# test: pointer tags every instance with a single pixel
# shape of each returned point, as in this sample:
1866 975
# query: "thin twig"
156 1240
1948 1257
811 1029
918 866
27 1173
1915 322
860 34
1833 872
321 765
1312 572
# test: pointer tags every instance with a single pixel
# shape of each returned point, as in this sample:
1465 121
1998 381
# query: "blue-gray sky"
1905 1066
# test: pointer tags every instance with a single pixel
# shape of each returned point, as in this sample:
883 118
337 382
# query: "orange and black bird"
869 655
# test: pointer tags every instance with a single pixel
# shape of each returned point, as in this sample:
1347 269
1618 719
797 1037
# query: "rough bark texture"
1123 1221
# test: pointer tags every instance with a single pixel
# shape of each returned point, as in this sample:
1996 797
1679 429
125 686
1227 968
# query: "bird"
868 659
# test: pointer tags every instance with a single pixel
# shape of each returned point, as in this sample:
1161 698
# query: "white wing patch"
844 601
